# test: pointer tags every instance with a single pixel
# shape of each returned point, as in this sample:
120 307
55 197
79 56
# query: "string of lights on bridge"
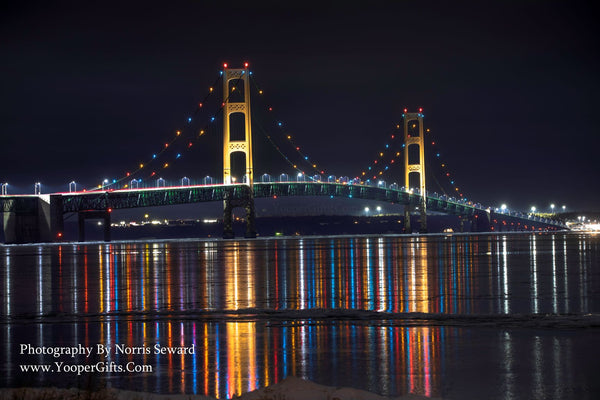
192 139
378 165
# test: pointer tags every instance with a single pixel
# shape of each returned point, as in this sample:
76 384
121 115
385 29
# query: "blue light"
452 182
279 123
153 155
437 155
369 168
189 119
387 146
212 119
178 155
386 167
250 72
114 181
350 195
306 157
221 72
403 144
331 197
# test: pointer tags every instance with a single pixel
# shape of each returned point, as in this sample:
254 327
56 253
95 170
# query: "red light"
433 143
420 110
245 65
224 65
190 144
153 173
166 144
110 210
406 110
393 136
298 148
59 234
128 174
270 108
200 105
275 196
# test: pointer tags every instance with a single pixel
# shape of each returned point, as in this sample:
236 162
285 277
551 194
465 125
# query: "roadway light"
564 208
552 207
533 209
378 209
503 207
367 210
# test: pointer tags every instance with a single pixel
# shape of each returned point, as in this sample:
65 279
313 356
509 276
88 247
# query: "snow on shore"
291 388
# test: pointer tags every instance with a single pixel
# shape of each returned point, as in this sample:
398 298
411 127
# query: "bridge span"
40 218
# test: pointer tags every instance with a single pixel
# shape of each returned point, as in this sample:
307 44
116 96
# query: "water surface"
454 316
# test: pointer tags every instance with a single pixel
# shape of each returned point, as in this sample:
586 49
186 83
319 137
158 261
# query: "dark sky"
509 89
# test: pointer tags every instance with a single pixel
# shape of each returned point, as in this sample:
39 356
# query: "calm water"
499 316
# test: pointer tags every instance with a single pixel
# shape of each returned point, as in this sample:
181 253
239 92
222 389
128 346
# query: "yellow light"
260 92
314 165
363 173
427 129
201 133
380 172
210 89
126 186
289 137
380 154
397 126
456 189
397 154
166 165
233 89
295 166
99 186
141 165
178 133
414 125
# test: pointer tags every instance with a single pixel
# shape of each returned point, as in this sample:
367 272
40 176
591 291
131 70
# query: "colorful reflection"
259 311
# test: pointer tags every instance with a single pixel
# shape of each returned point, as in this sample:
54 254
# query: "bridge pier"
407 224
103 215
247 203
32 219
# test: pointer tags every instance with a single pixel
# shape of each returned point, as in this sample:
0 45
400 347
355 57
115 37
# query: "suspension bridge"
40 217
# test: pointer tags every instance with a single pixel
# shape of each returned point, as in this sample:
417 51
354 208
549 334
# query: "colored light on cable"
246 65
178 133
178 155
224 65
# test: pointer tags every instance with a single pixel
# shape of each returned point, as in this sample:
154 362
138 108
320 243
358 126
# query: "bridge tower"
413 136
236 100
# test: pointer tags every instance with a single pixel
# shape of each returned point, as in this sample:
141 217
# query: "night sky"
509 89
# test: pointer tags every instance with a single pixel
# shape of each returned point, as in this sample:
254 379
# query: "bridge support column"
414 162
407 225
236 100
423 211
84 215
32 219
247 203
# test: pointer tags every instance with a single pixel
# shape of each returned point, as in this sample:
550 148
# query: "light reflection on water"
230 298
